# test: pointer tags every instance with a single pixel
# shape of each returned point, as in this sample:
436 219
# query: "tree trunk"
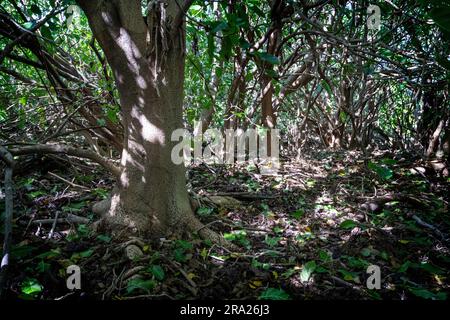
268 116
147 59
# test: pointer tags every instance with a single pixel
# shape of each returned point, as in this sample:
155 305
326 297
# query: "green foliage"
104 238
182 250
140 285
158 272
205 211
81 255
274 294
381 170
348 224
423 293
22 251
297 214
271 241
239 236
31 288
307 271
440 13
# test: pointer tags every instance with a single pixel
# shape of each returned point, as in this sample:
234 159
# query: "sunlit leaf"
307 270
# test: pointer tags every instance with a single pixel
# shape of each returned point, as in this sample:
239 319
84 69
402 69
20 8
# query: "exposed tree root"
189 222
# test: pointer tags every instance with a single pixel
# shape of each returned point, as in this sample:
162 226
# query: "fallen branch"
68 150
422 223
71 218
377 204
52 230
346 284
192 286
67 181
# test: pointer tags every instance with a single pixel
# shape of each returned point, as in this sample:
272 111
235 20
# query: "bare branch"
183 8
71 151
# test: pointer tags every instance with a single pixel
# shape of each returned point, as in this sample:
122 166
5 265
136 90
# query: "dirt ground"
309 232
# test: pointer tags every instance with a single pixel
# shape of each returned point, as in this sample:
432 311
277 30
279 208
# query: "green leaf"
322 270
35 194
86 253
49 254
327 87
366 252
219 26
74 206
343 116
325 256
255 8
42 266
431 268
382 171
356 262
423 293
205 211
307 270
28 25
441 16
211 46
83 230
179 255
235 235
21 251
388 161
274 294
348 224
297 214
183 244
271 241
140 284
158 272
35 9
46 33
112 115
31 287
404 267
102 193
195 9
3 115
349 276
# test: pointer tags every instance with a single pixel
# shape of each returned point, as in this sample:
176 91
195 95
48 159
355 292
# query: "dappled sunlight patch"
149 132
115 205
304 244
124 180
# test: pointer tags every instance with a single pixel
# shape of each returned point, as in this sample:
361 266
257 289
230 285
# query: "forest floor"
310 232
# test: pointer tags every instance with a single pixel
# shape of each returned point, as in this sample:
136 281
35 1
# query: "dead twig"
55 221
347 284
71 218
67 181
422 223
